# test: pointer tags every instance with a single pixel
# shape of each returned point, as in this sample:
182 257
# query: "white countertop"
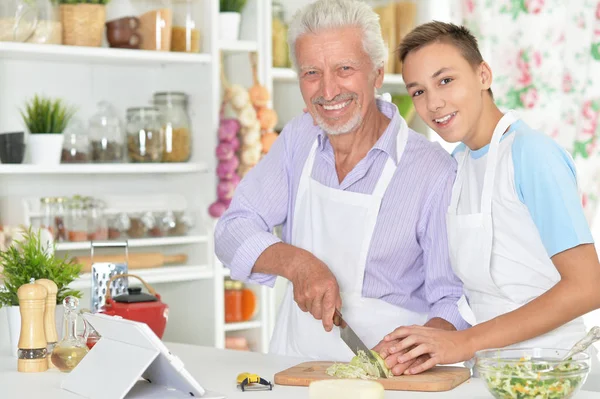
216 370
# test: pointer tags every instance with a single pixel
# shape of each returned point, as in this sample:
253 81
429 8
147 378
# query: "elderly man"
361 197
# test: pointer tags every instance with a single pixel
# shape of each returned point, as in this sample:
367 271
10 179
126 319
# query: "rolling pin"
135 261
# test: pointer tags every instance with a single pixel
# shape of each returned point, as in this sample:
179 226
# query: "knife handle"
337 319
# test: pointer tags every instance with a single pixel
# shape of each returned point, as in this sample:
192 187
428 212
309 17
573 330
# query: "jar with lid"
183 222
97 223
49 27
156 24
279 38
76 145
164 221
47 214
176 124
106 135
233 301
76 223
118 225
145 142
186 32
139 225
59 219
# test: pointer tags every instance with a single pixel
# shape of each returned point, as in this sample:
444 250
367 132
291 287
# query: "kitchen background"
171 105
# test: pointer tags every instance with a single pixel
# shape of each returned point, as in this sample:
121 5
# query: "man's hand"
316 291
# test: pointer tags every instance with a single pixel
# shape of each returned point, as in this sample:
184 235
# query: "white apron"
336 226
479 245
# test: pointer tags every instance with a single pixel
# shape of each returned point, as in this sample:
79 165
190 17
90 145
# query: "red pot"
138 306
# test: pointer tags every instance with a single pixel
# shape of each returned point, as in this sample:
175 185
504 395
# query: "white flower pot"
44 149
14 326
229 25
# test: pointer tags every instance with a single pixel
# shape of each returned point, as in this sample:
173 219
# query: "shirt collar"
387 141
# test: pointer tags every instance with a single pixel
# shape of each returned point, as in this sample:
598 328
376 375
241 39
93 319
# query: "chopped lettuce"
526 380
359 367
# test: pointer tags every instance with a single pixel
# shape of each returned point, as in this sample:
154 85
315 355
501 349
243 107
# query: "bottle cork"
32 339
50 317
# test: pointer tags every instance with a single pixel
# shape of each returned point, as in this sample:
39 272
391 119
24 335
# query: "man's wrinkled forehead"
335 47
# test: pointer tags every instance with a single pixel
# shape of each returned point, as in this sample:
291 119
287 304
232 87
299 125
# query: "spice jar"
176 124
117 225
59 219
97 223
47 214
279 37
233 301
164 221
183 223
106 135
144 135
186 35
156 24
140 224
76 222
76 146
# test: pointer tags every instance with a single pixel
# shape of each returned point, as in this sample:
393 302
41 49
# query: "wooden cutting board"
437 379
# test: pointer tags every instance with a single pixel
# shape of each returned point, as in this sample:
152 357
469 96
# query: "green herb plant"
28 258
232 5
46 115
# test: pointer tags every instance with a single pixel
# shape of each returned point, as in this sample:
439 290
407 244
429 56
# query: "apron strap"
390 168
490 169
457 187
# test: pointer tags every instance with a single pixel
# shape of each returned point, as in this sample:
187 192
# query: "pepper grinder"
50 317
32 341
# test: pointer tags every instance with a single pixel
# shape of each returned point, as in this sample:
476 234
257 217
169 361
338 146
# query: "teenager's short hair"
442 32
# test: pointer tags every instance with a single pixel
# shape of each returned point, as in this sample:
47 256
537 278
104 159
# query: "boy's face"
446 90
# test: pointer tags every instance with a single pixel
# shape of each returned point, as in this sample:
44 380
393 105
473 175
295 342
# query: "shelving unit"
108 169
138 242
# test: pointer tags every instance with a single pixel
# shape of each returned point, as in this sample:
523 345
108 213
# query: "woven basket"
83 24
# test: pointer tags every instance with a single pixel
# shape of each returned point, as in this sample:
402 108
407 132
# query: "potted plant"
229 19
31 257
83 22
46 119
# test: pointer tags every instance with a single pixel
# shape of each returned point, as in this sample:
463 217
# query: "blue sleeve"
545 180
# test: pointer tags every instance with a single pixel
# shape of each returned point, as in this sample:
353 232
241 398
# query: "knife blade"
354 342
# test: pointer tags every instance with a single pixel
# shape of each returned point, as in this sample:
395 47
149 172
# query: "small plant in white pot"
46 120
229 19
31 257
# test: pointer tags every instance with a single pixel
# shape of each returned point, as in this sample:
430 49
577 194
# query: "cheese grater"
103 271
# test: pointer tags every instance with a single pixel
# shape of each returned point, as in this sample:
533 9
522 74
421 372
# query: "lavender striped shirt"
408 263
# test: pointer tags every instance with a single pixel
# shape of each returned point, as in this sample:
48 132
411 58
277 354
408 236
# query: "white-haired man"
361 197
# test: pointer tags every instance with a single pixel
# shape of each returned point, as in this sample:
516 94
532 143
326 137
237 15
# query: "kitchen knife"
354 342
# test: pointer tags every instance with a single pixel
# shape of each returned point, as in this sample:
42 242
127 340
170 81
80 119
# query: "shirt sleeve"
443 288
546 182
260 203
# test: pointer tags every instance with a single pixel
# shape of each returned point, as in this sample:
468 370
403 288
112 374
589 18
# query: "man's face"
337 78
446 90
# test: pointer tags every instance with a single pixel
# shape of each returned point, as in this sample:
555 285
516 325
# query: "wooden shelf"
165 274
115 168
103 55
137 242
238 46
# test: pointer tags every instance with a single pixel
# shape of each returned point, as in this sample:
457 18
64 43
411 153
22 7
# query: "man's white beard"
345 128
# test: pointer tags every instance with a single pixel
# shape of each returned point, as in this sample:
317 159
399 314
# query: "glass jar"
183 223
76 223
145 141
97 223
164 221
106 135
47 214
186 32
233 301
49 26
176 125
279 38
118 225
156 24
76 146
140 224
59 219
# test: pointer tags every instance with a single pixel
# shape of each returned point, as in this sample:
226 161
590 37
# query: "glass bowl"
531 373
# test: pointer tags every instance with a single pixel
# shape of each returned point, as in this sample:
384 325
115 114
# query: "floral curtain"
545 56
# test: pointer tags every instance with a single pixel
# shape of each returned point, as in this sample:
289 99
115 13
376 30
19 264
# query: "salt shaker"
32 339
50 317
